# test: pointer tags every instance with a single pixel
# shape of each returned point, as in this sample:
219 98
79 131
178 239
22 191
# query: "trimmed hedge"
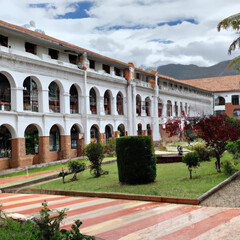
136 160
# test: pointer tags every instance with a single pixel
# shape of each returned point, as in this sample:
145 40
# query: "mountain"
191 71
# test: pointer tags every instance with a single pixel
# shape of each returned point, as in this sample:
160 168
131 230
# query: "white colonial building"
55 97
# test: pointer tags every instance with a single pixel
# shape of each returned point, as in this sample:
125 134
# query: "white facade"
16 65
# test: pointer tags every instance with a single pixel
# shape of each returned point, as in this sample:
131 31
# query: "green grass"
49 168
172 181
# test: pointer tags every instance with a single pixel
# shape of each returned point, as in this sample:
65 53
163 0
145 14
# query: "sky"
148 33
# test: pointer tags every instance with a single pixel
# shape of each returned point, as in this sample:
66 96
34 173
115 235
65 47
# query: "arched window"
176 109
160 106
54 97
186 108
148 106
5 142
54 139
121 129
94 133
30 95
120 103
74 100
220 101
107 103
108 132
139 131
138 105
93 101
74 137
149 130
31 140
169 108
5 94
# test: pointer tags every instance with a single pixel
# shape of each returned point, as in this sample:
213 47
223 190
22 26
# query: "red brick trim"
112 195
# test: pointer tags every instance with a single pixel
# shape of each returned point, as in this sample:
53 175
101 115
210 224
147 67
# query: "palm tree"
234 23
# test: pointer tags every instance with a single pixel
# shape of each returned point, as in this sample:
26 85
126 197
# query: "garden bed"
172 181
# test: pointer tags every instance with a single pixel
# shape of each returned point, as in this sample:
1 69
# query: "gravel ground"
228 196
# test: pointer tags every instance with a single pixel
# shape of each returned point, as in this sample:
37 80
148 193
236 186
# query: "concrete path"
123 219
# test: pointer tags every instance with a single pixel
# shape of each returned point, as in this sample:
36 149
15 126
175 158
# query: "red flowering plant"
173 127
216 131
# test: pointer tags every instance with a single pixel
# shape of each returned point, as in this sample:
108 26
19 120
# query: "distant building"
55 97
226 92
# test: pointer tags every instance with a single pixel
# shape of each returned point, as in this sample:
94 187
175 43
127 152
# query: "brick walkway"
122 219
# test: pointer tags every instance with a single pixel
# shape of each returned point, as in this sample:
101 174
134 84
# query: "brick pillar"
80 147
44 149
144 133
116 134
101 137
18 152
65 147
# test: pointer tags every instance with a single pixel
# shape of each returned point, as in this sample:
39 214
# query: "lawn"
172 181
49 168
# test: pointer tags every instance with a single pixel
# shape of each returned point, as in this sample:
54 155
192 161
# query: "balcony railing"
5 106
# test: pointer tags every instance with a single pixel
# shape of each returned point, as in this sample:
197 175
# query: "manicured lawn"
49 168
172 181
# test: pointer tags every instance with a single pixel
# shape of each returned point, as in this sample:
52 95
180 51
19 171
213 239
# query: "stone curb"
111 195
218 187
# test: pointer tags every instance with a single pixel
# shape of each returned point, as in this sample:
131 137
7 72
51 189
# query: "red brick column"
65 146
18 152
101 135
43 150
80 147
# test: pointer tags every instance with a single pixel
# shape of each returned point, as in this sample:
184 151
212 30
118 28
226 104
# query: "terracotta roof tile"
216 84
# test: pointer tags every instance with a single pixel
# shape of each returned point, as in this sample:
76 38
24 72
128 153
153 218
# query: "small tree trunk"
190 172
218 163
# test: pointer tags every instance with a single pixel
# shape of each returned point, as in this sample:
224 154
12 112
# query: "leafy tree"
216 131
94 152
234 148
192 161
75 167
234 23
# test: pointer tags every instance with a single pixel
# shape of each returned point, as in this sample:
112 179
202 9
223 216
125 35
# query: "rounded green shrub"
94 152
136 160
203 151
192 161
229 168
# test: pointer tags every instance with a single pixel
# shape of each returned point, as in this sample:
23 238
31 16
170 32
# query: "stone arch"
138 105
108 131
6 93
94 133
55 96
74 92
10 78
93 100
139 129
55 138
148 106
31 135
6 137
31 87
119 103
108 102
169 108
220 101
122 130
160 107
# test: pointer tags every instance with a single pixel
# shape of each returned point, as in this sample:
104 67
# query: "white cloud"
191 43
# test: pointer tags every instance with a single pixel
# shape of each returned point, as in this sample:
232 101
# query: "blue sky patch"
179 21
41 5
81 9
160 40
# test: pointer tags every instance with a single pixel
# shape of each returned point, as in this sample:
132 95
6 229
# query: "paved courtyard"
122 219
